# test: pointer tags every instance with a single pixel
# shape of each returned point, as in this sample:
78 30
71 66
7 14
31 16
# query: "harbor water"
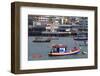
40 50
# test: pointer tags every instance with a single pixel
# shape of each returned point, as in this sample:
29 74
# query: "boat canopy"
59 46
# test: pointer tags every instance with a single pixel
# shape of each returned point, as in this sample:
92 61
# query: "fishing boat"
61 50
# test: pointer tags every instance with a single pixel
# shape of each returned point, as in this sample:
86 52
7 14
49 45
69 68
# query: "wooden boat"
57 52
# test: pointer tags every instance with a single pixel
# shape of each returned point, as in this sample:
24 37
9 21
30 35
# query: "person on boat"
74 49
62 50
59 48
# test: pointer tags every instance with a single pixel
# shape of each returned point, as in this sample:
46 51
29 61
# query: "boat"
41 39
61 50
80 38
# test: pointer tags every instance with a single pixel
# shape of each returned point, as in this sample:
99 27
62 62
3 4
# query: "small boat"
61 50
80 37
41 39
84 38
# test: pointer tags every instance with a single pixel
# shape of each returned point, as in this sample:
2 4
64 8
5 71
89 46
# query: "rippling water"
39 51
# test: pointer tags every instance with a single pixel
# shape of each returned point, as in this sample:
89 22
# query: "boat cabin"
59 48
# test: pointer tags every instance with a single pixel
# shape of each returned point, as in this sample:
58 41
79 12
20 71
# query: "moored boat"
80 38
41 39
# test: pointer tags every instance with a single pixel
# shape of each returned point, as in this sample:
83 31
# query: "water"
39 51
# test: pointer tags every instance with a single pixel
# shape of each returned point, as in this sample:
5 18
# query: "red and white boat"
61 50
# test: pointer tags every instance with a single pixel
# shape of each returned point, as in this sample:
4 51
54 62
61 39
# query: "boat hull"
62 54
